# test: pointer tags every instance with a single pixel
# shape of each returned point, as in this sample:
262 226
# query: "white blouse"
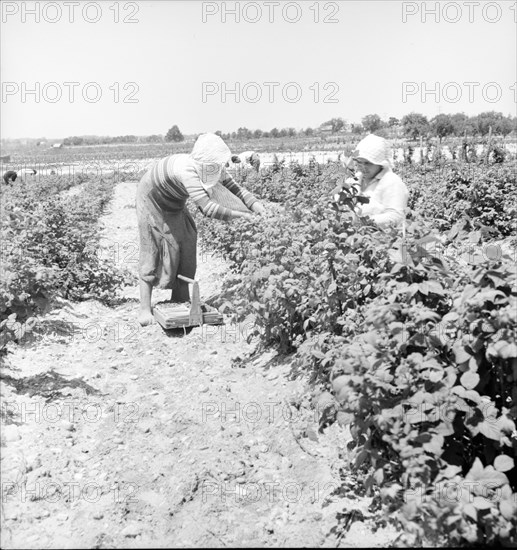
388 198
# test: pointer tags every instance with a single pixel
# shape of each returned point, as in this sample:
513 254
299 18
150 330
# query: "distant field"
132 159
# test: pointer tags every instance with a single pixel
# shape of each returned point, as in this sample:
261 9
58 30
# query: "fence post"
464 155
487 154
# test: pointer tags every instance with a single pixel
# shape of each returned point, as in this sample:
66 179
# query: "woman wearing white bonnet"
388 194
168 236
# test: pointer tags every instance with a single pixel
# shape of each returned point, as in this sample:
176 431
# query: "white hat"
211 149
210 154
374 149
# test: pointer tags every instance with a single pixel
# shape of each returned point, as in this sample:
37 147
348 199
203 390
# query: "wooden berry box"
173 315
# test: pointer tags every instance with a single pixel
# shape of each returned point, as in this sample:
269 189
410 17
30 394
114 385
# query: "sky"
116 68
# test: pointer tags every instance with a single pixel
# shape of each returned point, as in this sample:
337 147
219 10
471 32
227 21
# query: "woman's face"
367 168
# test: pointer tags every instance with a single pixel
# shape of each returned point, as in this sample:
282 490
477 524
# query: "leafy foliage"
483 198
414 350
49 249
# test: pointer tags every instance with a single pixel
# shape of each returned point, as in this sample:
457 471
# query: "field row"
413 351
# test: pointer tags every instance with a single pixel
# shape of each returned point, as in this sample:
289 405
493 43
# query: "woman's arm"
208 207
245 196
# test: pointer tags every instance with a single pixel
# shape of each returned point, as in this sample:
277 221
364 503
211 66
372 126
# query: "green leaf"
503 463
324 400
435 446
472 395
482 503
427 239
332 288
475 237
507 508
343 418
494 277
379 476
469 380
470 511
427 287
461 355
490 430
423 287
361 457
503 349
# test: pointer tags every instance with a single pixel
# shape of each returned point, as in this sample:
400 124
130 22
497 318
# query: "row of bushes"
481 198
50 249
441 193
416 351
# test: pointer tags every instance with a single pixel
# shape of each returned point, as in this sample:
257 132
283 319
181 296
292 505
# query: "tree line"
412 126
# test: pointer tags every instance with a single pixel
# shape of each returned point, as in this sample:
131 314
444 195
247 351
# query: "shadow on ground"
177 332
49 385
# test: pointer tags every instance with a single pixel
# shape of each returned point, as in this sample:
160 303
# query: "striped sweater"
175 179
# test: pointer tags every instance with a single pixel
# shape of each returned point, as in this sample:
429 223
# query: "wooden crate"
171 315
179 315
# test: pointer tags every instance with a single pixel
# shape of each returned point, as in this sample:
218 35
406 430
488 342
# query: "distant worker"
251 158
244 160
24 172
10 177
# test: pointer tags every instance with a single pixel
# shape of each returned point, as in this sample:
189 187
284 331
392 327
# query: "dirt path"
118 436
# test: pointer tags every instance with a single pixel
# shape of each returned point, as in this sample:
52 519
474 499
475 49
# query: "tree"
372 123
393 122
442 126
243 133
415 125
486 120
357 129
309 132
174 134
507 125
74 140
257 134
459 123
274 133
472 125
501 125
337 124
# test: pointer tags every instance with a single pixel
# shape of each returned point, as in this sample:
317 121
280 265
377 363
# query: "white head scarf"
210 154
374 149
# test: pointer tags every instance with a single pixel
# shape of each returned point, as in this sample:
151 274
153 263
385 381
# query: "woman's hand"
246 215
258 209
